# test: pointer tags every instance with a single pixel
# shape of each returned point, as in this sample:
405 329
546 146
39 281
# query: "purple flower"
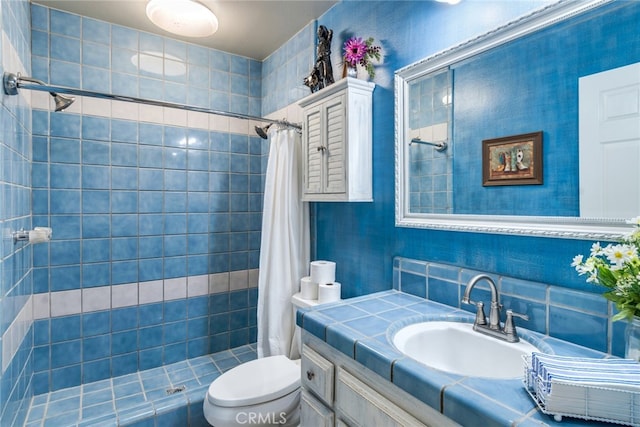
354 50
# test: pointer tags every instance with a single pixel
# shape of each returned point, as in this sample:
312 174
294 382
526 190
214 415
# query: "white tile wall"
238 280
94 107
124 295
65 303
218 123
95 299
150 114
197 285
198 120
41 306
218 282
124 110
253 278
155 114
16 332
175 117
175 288
150 292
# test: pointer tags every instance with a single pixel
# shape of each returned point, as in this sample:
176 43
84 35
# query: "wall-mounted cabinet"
336 135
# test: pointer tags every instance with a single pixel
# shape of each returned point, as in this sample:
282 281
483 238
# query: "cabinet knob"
310 375
321 148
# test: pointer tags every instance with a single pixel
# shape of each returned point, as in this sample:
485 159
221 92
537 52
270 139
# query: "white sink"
456 348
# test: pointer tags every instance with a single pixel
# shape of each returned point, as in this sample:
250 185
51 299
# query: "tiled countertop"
361 328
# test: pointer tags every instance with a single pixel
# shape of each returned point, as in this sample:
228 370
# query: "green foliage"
617 268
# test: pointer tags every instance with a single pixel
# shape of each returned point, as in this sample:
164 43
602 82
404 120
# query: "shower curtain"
284 248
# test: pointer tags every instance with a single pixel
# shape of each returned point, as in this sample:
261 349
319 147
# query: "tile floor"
129 399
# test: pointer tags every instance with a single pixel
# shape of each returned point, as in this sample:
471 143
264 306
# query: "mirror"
495 107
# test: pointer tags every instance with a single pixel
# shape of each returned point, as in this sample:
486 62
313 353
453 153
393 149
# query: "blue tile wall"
362 238
137 201
284 70
88 347
16 273
530 111
85 53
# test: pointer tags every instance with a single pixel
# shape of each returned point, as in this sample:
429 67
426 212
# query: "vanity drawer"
364 406
317 374
314 413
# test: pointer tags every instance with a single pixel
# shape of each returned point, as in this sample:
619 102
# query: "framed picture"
512 160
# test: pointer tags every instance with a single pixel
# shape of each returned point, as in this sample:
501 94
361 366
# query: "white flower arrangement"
616 267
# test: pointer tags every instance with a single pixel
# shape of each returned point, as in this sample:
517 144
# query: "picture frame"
512 160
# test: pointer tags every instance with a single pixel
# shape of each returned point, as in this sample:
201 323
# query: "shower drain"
175 390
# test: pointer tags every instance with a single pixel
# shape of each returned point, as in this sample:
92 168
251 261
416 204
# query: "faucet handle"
511 313
510 327
481 318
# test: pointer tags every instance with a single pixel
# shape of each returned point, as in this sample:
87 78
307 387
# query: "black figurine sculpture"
322 74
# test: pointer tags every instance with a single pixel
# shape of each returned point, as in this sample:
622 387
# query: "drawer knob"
310 375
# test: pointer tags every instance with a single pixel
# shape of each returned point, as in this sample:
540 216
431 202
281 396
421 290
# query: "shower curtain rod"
12 82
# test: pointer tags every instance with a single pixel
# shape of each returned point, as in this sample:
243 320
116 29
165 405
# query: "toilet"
262 392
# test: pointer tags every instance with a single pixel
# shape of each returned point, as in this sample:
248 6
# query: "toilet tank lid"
254 382
300 302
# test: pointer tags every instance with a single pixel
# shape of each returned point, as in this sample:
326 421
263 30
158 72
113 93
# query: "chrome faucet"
493 328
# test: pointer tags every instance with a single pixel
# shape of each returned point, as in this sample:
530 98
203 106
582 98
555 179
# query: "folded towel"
617 405
601 389
609 373
585 363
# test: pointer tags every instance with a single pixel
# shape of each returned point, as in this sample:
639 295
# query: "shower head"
262 131
12 82
62 101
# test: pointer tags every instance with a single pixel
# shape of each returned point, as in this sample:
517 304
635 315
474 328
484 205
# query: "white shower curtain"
284 249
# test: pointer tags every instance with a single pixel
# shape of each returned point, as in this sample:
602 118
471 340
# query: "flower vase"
352 72
632 339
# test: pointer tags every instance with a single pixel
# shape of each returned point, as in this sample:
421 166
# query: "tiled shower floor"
136 398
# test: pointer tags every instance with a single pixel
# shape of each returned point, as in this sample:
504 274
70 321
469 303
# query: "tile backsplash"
576 316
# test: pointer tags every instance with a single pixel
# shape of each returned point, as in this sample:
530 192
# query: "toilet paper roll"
323 272
308 288
40 235
329 292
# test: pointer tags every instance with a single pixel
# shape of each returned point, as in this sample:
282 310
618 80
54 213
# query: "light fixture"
183 17
449 1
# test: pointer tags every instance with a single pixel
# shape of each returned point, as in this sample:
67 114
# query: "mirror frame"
542 226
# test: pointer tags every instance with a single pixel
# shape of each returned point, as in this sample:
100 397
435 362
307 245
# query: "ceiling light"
183 17
449 1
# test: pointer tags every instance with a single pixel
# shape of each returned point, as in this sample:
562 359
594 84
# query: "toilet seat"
255 382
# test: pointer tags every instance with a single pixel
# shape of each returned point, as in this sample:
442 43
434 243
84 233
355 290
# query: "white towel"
585 387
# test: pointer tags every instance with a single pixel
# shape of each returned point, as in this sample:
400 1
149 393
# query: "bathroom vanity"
353 376
339 391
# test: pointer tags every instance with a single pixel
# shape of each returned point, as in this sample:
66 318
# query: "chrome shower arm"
439 146
14 81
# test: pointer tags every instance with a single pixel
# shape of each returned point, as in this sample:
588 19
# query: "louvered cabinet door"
334 155
313 152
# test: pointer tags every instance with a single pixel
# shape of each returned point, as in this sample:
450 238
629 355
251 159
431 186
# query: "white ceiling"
251 28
